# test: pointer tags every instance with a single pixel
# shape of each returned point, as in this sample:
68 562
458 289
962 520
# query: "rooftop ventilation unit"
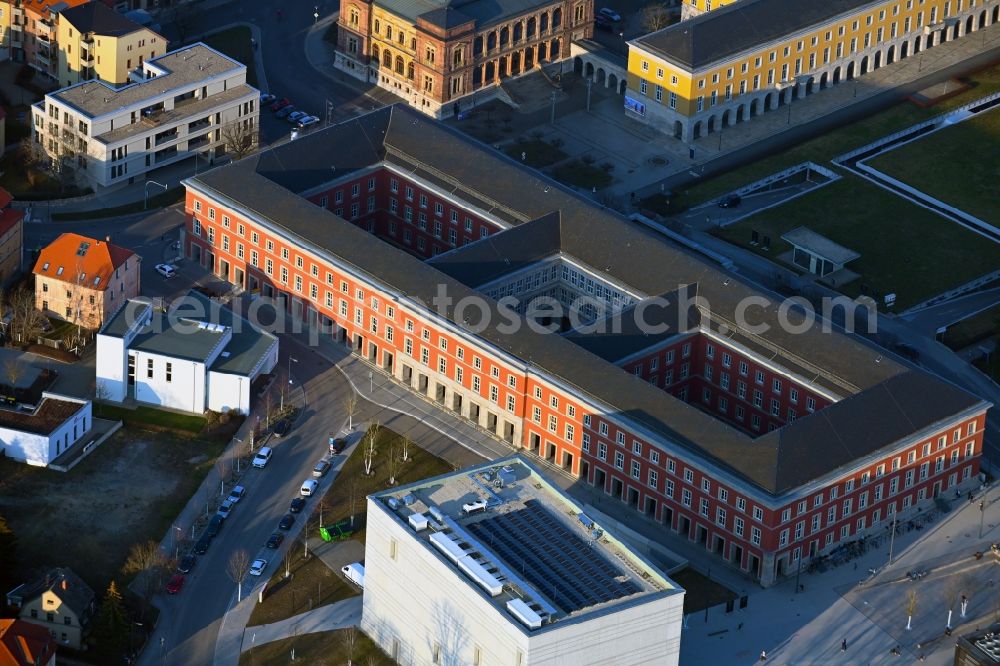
393 503
524 613
472 508
418 522
436 514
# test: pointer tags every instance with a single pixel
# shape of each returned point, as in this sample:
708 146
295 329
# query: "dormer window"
59 271
97 280
45 266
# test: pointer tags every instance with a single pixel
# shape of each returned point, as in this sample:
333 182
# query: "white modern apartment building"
179 104
495 565
194 357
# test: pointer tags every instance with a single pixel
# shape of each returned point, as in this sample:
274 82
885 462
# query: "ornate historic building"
437 55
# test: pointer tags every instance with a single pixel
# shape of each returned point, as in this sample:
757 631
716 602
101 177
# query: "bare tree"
350 640
371 660
26 323
149 564
405 444
968 586
323 506
351 407
352 497
911 608
268 408
393 463
655 16
371 437
33 159
287 561
13 370
240 138
950 595
237 568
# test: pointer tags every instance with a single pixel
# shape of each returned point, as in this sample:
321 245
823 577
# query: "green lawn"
973 329
959 165
904 248
537 153
311 584
311 578
324 648
161 200
142 416
580 174
823 148
235 43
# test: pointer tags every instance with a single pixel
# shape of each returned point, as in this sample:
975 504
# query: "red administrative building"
767 447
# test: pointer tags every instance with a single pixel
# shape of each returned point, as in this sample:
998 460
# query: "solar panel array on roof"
557 562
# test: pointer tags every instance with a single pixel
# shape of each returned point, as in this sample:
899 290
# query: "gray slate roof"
96 17
187 341
776 462
724 32
77 596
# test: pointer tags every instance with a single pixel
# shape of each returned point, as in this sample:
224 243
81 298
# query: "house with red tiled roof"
60 603
11 238
26 644
84 281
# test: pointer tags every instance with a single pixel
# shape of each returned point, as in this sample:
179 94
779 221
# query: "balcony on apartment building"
199 124
45 28
16 36
161 156
200 142
165 137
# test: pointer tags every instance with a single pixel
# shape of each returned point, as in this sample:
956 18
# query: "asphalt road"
287 69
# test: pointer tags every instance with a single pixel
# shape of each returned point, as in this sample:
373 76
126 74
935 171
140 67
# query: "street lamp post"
177 540
892 536
590 83
291 360
145 198
371 382
982 516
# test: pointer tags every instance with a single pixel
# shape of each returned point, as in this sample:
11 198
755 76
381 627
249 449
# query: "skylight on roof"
45 266
97 280
59 271
84 246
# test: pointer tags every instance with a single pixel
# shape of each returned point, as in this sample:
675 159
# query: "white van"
355 573
263 455
309 487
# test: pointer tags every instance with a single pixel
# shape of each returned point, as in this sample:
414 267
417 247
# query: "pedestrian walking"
843 645
763 655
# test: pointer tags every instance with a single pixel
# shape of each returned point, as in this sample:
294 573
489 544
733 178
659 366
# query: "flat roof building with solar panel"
495 565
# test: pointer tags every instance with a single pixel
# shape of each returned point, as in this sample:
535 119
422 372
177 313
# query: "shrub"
588 160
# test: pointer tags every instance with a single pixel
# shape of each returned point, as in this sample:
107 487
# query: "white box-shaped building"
39 436
194 357
180 104
529 580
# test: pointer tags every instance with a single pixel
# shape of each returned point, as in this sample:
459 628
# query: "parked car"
267 98
166 270
355 573
280 104
908 352
610 14
225 509
730 201
309 487
201 547
297 505
286 111
287 521
307 122
282 428
257 567
275 540
186 564
337 445
214 526
296 116
175 584
321 468
236 494
263 455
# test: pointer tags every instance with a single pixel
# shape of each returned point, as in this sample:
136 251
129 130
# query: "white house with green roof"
194 356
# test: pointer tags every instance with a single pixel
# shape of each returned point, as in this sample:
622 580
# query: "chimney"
64 585
107 239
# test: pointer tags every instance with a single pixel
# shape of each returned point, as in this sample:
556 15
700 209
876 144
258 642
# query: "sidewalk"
187 521
338 615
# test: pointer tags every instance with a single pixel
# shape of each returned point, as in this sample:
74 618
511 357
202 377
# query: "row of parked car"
283 108
260 461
